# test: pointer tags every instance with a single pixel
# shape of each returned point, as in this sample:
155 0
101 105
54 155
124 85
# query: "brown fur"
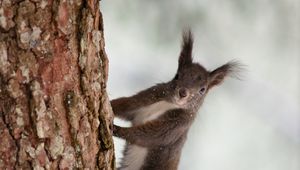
164 136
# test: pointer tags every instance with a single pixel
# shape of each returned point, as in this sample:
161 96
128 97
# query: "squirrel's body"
162 115
152 104
136 156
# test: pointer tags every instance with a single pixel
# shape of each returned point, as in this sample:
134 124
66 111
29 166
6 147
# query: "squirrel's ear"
217 76
185 57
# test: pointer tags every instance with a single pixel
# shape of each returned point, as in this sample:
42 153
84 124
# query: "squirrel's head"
192 81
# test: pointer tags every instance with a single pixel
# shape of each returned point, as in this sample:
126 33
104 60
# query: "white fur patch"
136 155
152 112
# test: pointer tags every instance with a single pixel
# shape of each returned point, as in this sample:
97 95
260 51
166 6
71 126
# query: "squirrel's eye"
199 77
202 90
176 76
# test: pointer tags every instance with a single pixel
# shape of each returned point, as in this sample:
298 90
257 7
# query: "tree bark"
54 109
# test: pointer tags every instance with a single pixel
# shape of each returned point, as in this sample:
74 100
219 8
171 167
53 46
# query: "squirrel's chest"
135 155
152 112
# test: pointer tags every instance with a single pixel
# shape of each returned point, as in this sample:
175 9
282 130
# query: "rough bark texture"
54 109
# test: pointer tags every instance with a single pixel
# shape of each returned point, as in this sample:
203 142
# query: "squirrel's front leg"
122 108
125 107
153 133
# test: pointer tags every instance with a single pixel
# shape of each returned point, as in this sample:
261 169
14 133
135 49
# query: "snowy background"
252 124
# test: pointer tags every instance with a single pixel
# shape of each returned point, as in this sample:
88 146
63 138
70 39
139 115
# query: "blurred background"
253 124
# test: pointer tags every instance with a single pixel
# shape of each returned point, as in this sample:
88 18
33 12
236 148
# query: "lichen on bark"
54 109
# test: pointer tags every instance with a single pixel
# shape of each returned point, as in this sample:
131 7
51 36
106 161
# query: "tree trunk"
54 109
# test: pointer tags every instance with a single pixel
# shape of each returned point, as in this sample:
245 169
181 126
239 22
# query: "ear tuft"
185 57
231 69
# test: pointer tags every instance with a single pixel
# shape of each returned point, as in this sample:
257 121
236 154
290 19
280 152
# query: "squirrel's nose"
183 92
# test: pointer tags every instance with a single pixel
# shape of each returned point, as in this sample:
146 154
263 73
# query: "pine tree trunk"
54 109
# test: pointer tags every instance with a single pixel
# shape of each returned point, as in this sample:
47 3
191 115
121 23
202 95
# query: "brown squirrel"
162 115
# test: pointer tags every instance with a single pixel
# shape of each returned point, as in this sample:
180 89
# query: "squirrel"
162 115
